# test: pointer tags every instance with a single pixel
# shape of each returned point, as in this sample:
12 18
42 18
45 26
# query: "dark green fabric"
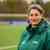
36 38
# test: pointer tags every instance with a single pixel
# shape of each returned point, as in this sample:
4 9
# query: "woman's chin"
34 23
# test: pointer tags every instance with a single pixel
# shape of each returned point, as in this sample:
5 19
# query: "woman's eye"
36 14
31 14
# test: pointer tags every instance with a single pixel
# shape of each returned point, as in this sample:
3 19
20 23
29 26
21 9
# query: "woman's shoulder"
25 31
49 26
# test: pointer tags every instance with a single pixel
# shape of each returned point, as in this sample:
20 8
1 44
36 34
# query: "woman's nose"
33 17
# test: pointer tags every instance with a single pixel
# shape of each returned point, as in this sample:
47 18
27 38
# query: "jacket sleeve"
45 45
21 40
48 40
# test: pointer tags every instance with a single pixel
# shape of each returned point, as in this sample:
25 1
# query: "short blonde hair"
36 6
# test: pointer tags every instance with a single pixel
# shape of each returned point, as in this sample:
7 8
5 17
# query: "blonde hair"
35 6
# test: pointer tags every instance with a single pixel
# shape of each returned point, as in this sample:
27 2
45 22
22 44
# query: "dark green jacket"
36 38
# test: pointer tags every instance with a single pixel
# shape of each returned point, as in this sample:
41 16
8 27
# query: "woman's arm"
23 37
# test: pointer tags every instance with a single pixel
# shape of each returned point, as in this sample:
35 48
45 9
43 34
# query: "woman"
35 37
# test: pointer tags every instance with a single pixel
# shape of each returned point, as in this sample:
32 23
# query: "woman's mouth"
34 20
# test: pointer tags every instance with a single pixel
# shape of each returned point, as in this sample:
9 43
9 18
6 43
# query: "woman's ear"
42 16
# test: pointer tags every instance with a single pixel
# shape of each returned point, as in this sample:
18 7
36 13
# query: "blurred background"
13 20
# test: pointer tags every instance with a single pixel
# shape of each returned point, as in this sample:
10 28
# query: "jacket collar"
42 26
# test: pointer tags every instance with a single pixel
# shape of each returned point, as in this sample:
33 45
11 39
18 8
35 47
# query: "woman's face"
34 17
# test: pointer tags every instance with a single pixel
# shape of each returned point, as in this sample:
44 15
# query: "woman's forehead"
34 11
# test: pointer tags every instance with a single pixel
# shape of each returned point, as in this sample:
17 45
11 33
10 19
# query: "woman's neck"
34 26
